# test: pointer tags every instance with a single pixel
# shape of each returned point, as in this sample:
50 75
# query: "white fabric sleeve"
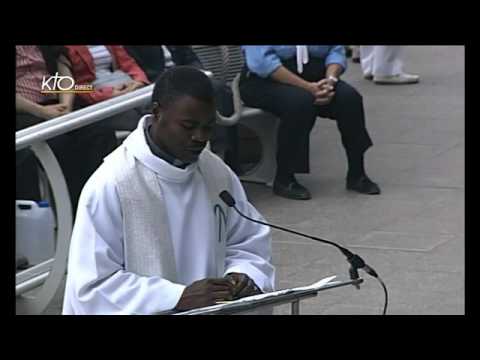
97 282
249 248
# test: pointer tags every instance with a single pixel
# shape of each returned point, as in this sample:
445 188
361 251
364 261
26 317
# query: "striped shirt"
30 70
101 57
104 63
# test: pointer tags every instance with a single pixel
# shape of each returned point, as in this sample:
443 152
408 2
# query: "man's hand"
243 285
205 292
52 111
325 93
313 88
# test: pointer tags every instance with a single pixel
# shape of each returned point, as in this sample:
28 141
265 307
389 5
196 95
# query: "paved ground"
413 234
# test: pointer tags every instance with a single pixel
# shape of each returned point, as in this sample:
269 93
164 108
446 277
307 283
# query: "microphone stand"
356 262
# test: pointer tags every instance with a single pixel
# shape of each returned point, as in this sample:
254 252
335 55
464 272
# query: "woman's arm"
127 64
27 106
64 67
45 112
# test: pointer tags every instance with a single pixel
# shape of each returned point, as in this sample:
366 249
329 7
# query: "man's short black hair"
180 81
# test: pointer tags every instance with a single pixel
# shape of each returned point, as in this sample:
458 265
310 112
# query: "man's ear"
157 110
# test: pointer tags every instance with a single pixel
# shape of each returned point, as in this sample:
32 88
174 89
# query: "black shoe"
292 190
363 185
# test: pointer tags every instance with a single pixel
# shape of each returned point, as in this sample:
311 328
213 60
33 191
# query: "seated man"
151 232
153 62
299 83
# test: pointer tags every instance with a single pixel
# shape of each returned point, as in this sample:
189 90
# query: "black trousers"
79 153
297 112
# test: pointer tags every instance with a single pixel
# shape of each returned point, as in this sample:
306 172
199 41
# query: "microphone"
355 261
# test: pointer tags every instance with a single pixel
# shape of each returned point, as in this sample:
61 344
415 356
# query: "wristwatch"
333 78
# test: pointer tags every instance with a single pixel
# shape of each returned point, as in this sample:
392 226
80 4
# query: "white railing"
83 117
51 272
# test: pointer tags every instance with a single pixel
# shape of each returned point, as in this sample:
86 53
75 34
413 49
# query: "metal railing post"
296 307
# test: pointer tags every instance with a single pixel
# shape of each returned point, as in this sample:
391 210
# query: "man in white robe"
149 235
384 65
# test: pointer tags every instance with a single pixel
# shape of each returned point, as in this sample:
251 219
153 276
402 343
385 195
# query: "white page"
316 285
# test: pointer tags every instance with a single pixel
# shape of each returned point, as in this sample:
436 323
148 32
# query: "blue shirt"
265 59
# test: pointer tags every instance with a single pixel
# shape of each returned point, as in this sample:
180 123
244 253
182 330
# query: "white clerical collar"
137 144
156 150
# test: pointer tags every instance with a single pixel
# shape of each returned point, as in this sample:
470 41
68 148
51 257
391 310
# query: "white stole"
148 247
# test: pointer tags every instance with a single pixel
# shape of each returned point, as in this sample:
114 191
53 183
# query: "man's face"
184 127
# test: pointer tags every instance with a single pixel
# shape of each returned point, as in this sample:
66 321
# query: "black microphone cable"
356 262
